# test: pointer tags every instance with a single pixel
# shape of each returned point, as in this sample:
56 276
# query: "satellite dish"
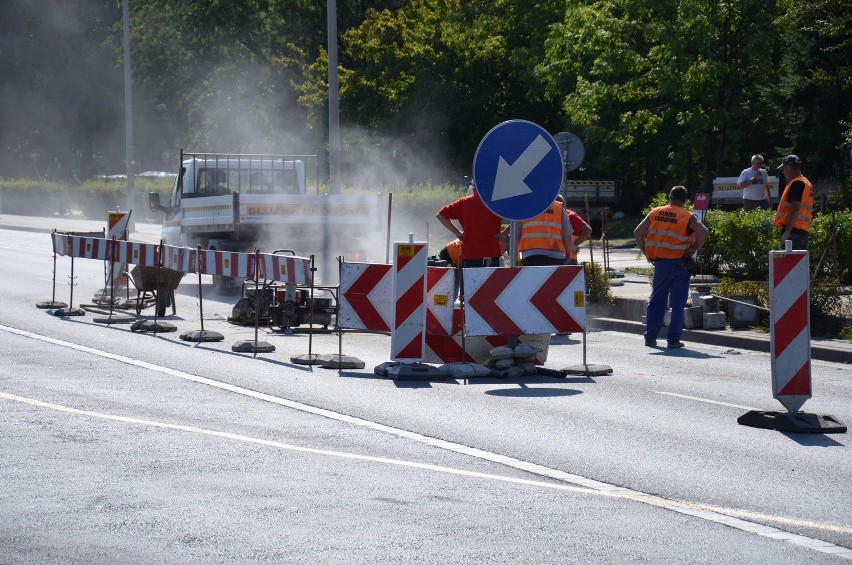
572 150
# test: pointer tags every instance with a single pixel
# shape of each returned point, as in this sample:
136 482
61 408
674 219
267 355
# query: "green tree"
814 98
665 91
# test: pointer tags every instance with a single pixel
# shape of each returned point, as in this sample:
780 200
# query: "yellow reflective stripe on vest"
544 231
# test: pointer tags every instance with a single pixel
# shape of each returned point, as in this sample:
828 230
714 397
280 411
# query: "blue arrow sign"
518 170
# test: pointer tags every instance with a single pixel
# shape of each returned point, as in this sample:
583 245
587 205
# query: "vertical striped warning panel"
408 334
790 327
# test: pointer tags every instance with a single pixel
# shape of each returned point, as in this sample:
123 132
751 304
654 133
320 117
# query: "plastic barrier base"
588 370
797 423
414 372
201 336
114 319
312 359
340 362
253 347
63 312
152 326
50 305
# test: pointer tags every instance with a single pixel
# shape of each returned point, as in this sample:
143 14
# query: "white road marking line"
707 400
580 483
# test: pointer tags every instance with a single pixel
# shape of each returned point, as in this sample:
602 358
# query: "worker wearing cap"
553 237
796 208
669 236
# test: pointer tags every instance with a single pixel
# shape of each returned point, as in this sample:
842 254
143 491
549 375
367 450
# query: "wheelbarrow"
155 286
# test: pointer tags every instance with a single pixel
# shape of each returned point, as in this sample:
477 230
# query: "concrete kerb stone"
752 341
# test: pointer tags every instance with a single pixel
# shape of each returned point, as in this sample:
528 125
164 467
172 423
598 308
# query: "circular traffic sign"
572 149
518 170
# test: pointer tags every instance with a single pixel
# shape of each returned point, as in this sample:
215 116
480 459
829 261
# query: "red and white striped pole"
790 326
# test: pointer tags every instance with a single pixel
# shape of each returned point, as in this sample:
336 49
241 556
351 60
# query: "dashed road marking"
575 483
707 400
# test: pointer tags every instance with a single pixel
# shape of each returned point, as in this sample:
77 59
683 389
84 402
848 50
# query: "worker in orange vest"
669 236
553 237
451 253
796 207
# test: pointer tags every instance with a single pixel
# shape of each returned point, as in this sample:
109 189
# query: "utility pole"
333 102
128 116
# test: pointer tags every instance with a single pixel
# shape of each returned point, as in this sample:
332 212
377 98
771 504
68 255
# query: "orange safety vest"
667 237
806 210
544 231
454 251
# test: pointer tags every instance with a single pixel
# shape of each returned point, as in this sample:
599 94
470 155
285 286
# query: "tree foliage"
661 92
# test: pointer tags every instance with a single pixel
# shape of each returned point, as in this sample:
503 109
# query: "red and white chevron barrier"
524 300
439 300
408 334
790 331
365 297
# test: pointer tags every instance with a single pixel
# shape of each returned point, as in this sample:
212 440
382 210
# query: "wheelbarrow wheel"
162 300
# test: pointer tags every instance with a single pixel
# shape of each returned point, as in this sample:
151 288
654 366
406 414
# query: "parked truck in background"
236 202
602 196
728 195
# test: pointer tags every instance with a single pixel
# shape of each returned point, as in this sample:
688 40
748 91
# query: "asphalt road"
120 446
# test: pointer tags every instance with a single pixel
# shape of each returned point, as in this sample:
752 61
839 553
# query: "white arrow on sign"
509 181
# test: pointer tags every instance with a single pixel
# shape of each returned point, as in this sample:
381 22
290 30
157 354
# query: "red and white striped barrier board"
409 308
285 268
209 262
178 258
790 327
439 300
365 299
226 263
133 253
524 300
81 247
448 349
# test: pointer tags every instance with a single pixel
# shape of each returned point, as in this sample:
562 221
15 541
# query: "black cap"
790 160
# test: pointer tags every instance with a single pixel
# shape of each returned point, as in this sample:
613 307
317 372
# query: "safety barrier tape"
282 268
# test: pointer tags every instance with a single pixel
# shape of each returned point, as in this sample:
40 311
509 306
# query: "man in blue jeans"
669 236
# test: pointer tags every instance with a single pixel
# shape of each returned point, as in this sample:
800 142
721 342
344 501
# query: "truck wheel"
225 285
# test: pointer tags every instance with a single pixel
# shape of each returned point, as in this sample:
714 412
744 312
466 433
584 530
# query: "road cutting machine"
285 306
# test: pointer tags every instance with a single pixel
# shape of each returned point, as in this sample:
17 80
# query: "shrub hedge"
94 198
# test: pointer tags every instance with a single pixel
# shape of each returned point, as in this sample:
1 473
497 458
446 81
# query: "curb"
726 338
